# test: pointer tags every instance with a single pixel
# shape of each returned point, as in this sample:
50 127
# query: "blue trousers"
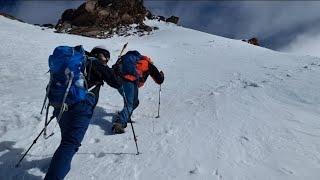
130 90
73 124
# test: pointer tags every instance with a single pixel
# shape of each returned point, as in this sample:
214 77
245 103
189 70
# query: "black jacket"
97 73
154 73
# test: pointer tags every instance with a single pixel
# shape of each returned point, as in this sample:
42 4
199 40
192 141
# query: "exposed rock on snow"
104 18
253 41
100 18
173 19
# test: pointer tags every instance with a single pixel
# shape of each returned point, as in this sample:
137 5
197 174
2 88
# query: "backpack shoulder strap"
89 66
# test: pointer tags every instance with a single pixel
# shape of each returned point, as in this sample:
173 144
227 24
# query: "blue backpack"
67 83
128 63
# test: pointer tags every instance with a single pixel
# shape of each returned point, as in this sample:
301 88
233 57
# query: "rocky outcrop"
104 18
173 19
253 41
101 18
51 26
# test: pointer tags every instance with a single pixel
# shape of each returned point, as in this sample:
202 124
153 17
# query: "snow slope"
229 110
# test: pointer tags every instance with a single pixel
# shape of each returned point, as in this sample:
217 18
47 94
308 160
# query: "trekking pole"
64 106
134 134
46 122
119 57
43 105
126 104
159 102
123 48
46 97
34 142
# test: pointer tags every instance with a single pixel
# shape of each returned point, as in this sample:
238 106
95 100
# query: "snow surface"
229 110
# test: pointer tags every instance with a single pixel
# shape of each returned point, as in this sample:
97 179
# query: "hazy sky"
278 24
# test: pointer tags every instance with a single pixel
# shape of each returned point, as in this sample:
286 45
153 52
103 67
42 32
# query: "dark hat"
100 49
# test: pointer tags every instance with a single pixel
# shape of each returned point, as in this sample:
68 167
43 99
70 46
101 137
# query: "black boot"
117 128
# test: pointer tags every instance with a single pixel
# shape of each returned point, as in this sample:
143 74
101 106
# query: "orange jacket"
144 68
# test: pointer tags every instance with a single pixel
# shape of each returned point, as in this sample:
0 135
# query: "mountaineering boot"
117 128
116 119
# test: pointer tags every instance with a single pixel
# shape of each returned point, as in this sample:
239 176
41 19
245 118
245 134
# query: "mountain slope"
229 110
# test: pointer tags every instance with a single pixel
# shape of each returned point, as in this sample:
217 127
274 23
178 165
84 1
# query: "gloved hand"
96 90
116 69
162 74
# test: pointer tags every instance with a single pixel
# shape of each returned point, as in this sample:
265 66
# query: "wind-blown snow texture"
229 110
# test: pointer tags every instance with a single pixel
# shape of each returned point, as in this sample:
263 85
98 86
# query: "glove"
116 69
162 74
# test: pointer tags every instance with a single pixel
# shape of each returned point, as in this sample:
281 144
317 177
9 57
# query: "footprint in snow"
189 102
94 140
286 171
118 159
185 44
193 171
37 117
216 172
100 155
250 84
243 139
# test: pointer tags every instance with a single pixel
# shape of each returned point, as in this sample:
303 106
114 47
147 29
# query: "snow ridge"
229 110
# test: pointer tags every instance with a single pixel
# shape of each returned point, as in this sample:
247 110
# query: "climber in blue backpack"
73 103
134 70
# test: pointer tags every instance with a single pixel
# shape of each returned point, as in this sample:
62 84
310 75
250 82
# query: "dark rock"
254 41
48 26
87 31
139 18
105 3
112 16
67 25
91 6
86 19
149 15
104 13
173 19
144 27
80 11
161 18
63 27
127 19
67 15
